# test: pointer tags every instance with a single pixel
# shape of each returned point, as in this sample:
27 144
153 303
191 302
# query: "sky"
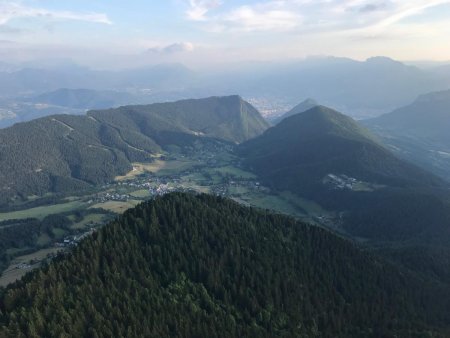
115 33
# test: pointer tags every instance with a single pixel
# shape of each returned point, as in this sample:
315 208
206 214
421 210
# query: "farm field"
23 264
41 212
117 207
89 219
159 167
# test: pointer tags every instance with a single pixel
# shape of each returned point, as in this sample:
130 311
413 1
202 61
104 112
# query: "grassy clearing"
138 169
38 255
12 274
117 207
173 166
88 219
41 212
236 191
225 157
44 239
196 186
235 172
158 167
286 203
275 203
59 233
144 193
310 207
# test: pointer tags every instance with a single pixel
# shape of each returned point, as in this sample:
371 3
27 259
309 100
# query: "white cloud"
410 8
198 9
179 47
261 18
10 10
307 15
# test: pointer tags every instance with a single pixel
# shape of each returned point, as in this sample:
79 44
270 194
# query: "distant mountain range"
84 98
65 153
64 101
419 132
29 81
201 266
362 89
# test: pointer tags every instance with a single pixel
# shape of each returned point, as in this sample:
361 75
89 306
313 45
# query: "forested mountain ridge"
321 141
66 153
184 265
327 157
227 118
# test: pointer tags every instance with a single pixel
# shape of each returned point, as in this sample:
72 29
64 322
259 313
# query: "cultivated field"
41 212
26 263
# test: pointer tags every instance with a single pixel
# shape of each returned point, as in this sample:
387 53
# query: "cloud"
271 15
10 10
410 9
180 47
262 18
306 15
372 7
199 8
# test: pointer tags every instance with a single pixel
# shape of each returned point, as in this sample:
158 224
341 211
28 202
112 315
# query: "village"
209 167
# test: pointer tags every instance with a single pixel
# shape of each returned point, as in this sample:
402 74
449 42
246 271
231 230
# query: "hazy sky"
108 32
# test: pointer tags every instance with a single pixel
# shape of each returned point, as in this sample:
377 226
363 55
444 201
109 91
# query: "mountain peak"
322 119
380 60
306 147
298 109
433 97
309 101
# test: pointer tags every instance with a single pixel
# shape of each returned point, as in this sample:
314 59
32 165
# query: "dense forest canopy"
203 266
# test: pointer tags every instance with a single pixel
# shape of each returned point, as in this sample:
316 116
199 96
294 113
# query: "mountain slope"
186 266
327 157
300 108
419 132
322 141
227 118
65 153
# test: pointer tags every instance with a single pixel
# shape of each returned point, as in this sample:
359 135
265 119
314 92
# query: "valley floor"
209 168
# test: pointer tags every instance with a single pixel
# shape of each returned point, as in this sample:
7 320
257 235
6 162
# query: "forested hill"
200 266
65 153
227 118
322 141
329 158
